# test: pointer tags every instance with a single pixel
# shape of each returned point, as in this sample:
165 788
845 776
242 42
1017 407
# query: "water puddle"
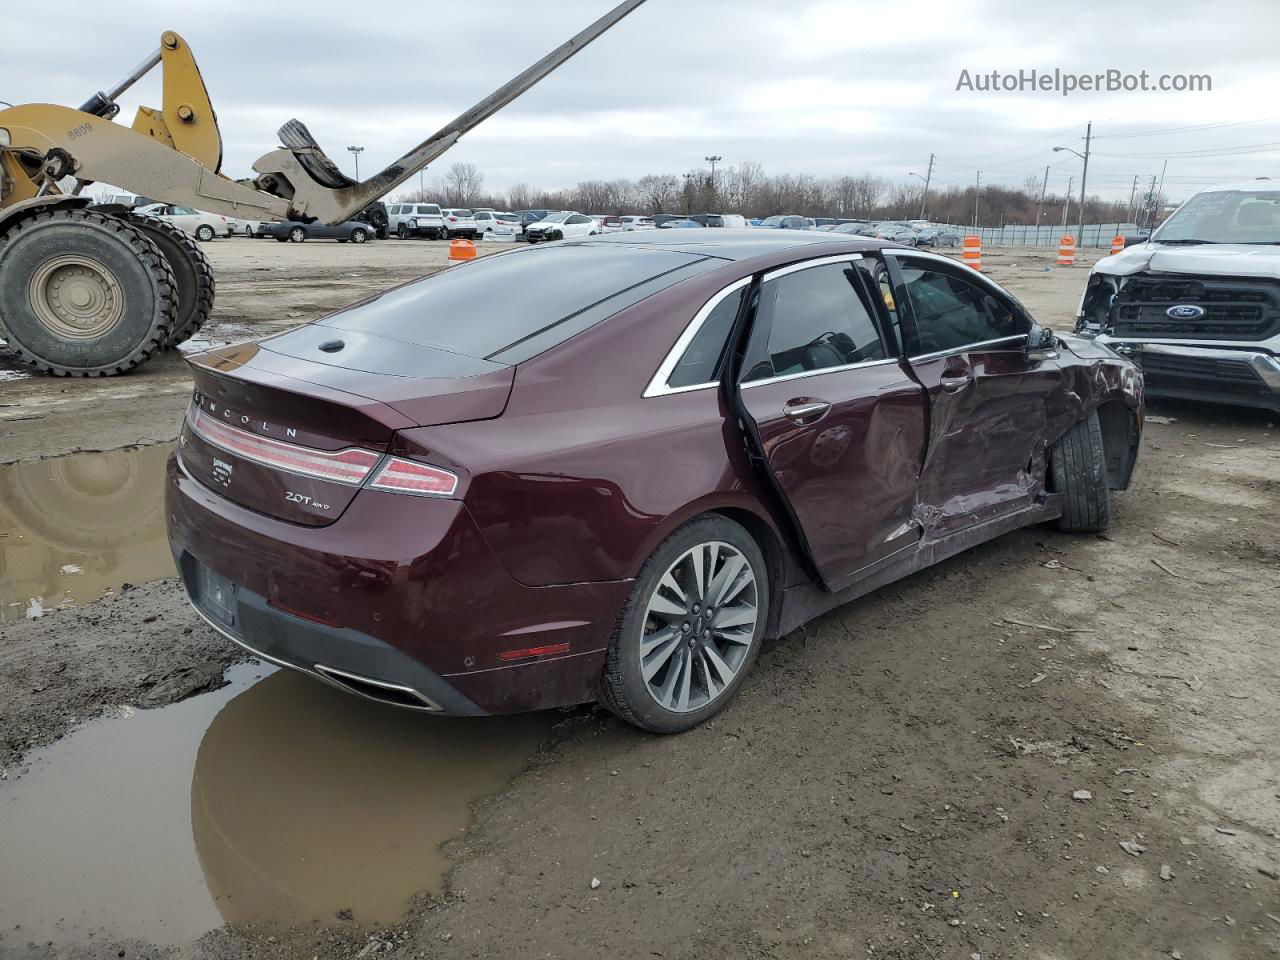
73 528
274 801
11 368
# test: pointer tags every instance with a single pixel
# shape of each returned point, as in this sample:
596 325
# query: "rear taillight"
407 476
351 466
454 219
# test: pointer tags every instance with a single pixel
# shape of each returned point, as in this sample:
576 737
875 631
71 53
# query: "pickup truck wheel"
1078 469
297 235
204 233
691 629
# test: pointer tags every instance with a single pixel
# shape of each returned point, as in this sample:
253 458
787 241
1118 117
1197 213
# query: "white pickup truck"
1198 305
405 220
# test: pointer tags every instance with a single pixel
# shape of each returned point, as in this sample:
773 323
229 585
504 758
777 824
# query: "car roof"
731 244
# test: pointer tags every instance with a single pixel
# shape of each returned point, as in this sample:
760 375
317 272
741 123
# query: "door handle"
957 382
803 410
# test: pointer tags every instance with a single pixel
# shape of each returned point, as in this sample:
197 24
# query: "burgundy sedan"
611 468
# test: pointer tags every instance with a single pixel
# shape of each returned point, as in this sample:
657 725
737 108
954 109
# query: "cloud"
815 86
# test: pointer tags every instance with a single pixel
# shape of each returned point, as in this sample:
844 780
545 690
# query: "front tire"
297 235
1078 469
359 236
691 629
204 233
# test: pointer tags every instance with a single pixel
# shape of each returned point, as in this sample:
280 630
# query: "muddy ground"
896 780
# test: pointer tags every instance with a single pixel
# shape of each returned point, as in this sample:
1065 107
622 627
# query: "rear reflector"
406 476
549 649
350 466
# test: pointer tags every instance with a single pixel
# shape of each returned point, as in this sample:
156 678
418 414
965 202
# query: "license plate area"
215 595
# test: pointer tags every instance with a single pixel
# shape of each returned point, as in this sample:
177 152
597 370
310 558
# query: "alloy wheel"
698 626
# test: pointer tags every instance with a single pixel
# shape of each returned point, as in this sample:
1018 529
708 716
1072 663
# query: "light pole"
1084 174
924 198
977 192
713 161
355 152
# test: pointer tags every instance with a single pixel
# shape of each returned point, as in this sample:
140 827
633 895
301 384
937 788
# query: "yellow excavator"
97 290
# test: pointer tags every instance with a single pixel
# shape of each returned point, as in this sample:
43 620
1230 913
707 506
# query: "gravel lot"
896 780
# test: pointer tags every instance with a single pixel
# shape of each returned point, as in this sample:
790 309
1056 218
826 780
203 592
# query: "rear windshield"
532 297
428 208
461 213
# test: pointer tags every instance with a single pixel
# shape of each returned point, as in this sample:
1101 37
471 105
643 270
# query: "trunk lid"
291 430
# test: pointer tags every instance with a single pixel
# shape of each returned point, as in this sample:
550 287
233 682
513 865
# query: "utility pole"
928 176
1151 195
1084 174
355 152
977 187
1132 193
1066 207
1160 192
1040 206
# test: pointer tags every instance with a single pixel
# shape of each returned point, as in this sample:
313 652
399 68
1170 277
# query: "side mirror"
1130 240
1041 343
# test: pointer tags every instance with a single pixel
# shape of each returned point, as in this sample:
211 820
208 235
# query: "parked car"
562 225
630 223
938 237
407 220
660 218
731 220
375 214
587 490
202 226
246 228
786 222
1198 305
679 225
497 226
529 216
295 231
606 223
895 232
459 223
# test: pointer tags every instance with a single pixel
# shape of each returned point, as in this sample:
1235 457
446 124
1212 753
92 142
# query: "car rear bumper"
399 600
1221 375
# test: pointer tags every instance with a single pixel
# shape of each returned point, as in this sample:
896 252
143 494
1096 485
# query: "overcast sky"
825 87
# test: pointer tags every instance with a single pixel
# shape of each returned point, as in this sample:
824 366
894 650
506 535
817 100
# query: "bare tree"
658 191
463 183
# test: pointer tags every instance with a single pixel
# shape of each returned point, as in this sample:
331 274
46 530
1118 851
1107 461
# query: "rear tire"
1078 469
713 626
402 232
192 272
84 294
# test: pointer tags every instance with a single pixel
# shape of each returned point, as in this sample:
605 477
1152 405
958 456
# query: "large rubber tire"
623 686
1078 469
191 270
135 287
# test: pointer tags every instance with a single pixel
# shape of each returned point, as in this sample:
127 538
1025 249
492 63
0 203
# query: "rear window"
428 208
502 307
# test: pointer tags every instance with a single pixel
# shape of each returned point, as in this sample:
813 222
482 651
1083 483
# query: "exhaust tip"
395 694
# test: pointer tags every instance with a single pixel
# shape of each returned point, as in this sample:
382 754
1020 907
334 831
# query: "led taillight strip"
351 466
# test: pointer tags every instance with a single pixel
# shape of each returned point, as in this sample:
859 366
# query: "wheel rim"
698 627
295 234
76 297
358 236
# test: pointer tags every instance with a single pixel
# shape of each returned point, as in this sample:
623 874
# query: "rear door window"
813 319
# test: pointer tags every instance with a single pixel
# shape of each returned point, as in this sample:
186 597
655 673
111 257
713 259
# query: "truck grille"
1235 309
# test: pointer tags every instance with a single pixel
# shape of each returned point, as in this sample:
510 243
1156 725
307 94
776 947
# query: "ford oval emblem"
1185 311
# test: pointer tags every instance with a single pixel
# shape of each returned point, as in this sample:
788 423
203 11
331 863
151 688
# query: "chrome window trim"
817 373
658 386
966 348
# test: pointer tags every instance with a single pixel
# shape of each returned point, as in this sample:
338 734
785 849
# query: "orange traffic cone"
461 249
1067 251
972 255
1117 243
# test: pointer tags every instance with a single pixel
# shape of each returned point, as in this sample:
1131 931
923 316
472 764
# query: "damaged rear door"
966 344
839 424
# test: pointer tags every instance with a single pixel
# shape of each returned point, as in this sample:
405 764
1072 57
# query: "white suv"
406 220
492 225
459 223
638 223
564 225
